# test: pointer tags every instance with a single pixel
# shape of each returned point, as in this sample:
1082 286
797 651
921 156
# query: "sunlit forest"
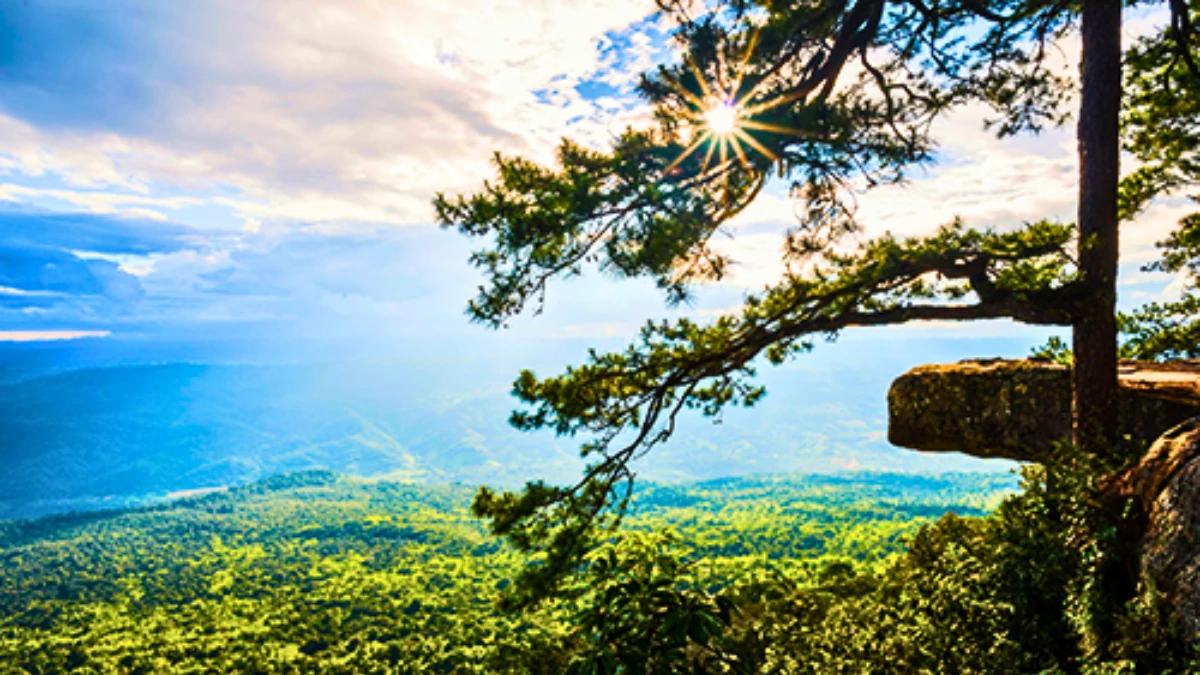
318 573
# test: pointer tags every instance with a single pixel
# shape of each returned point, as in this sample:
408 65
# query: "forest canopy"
318 573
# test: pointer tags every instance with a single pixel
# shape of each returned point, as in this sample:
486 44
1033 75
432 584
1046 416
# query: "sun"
727 123
723 118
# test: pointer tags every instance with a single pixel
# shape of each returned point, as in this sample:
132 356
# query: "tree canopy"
1162 129
836 97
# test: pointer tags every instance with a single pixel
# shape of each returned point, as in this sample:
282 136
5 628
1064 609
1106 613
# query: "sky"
218 169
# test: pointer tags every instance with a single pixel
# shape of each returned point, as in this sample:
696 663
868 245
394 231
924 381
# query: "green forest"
320 573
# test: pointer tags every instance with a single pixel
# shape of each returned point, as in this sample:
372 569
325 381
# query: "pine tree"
832 95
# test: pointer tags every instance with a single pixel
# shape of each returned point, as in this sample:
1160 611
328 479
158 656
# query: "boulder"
1021 409
1162 492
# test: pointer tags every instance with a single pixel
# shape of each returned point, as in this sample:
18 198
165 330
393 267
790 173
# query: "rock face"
1022 409
1165 489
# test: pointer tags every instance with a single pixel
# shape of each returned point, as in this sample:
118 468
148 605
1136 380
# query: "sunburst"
724 121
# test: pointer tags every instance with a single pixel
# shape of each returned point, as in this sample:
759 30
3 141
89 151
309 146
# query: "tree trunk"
1095 332
1095 329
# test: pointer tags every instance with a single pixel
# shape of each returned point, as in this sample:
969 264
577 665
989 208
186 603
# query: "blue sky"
264 170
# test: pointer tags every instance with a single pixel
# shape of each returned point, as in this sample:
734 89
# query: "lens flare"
722 119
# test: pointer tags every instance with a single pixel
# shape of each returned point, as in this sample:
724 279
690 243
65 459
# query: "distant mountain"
131 431
95 436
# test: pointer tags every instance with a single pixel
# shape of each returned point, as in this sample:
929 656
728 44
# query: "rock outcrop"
1021 409
1161 497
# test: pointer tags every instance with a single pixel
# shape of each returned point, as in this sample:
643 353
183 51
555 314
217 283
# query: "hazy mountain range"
80 431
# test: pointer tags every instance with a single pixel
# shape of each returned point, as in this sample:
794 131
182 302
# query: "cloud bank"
233 165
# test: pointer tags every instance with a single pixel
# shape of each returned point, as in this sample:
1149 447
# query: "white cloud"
49 335
99 201
257 122
360 111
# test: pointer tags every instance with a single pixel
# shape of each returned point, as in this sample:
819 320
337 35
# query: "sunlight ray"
772 103
741 154
754 143
724 159
712 147
683 91
705 91
700 138
771 128
741 71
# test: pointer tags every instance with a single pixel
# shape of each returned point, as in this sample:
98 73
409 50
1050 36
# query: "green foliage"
1161 119
970 595
1157 331
1162 129
313 573
649 612
1012 592
597 208
769 575
1163 331
1055 350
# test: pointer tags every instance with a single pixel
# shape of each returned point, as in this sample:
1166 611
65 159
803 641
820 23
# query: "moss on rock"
1021 409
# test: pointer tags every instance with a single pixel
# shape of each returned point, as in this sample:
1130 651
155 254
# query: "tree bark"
1095 329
